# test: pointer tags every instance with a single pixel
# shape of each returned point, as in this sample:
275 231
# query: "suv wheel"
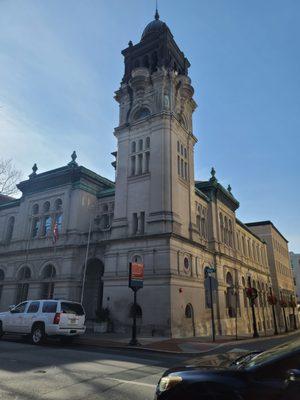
1 330
37 334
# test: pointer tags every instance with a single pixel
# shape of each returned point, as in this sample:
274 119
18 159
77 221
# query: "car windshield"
72 308
270 355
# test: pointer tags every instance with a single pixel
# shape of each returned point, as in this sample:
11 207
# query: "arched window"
230 233
35 209
140 144
133 147
189 311
226 230
230 296
58 205
46 206
49 272
137 259
222 228
244 293
10 229
147 142
47 288
47 223
141 113
198 222
23 276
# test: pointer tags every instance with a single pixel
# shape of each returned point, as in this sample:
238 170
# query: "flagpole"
86 259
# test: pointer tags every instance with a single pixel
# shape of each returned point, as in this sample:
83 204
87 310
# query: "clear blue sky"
60 64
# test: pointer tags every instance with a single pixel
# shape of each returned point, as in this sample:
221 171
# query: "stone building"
154 213
282 279
295 264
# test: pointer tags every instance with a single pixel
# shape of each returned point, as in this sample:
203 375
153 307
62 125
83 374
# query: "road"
76 372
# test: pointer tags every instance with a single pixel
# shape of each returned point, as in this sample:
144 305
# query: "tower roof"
154 27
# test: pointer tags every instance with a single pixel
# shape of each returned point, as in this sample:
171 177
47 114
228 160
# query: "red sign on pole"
136 275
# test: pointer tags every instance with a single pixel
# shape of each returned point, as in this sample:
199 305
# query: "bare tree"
9 177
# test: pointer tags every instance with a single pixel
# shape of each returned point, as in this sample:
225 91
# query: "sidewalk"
176 346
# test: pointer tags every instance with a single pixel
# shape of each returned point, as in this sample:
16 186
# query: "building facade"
295 264
282 278
73 233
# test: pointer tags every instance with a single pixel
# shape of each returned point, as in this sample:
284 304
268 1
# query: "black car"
270 375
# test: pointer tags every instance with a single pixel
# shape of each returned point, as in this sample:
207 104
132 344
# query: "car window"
72 308
20 308
49 307
34 307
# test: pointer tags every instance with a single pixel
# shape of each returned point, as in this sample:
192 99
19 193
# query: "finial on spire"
34 169
156 12
213 175
73 163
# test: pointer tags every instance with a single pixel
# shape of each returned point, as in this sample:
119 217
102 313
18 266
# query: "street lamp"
293 305
272 301
283 304
252 295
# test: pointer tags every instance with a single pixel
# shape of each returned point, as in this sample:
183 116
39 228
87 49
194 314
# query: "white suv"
41 318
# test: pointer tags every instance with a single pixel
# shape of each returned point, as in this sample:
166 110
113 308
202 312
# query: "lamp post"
252 295
293 304
273 300
283 305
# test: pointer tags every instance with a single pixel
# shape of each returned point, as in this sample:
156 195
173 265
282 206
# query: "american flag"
55 233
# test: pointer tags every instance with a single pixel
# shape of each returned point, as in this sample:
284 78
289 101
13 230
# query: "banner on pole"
136 275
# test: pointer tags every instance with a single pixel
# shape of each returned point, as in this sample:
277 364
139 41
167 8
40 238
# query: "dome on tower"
155 26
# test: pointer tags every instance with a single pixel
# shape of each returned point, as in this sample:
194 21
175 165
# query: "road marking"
132 382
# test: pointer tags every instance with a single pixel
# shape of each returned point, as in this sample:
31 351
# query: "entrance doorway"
93 288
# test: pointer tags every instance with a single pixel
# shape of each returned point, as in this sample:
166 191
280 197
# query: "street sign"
136 276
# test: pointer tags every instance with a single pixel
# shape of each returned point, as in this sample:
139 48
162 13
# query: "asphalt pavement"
53 371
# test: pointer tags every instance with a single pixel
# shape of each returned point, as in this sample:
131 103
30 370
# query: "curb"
185 353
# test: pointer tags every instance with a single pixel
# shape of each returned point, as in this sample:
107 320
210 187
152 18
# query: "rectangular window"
181 168
49 307
34 307
134 223
72 308
59 222
142 223
147 162
132 165
35 227
47 225
185 171
140 164
178 165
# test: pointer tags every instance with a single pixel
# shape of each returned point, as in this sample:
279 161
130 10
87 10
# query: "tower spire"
156 11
